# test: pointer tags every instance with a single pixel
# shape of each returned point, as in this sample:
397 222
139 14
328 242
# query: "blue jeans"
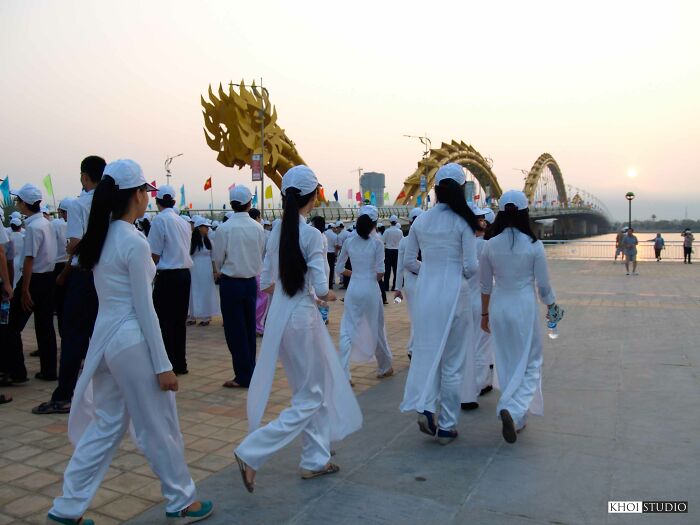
238 298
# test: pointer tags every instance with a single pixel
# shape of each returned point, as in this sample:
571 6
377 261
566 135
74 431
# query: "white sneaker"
635 273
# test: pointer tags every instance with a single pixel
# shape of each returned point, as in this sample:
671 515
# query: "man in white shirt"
170 238
332 238
80 302
34 292
392 238
238 254
59 226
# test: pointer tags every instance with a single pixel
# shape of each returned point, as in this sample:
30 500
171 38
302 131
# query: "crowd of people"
626 247
129 285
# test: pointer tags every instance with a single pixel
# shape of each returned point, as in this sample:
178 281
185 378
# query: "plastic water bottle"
5 311
552 331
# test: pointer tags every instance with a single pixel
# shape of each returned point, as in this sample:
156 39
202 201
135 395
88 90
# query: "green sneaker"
52 520
191 516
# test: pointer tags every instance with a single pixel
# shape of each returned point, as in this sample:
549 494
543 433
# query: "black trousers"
331 263
391 261
238 298
59 296
346 279
171 299
80 312
41 290
687 253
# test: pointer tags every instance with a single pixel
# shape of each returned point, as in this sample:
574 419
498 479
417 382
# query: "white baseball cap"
65 203
15 215
187 218
339 224
489 216
201 221
393 219
28 193
127 174
44 208
265 222
16 222
370 211
240 194
415 212
515 197
165 190
300 177
450 171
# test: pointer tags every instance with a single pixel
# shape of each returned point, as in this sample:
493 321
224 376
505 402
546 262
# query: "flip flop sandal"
388 373
250 487
232 384
331 468
52 407
204 323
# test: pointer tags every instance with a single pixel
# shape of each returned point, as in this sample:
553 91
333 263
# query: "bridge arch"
459 152
545 161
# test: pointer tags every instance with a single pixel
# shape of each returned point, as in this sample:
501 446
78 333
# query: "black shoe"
470 406
509 433
426 423
385 302
485 390
35 353
43 377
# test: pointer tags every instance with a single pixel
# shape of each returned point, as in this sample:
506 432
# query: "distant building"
373 183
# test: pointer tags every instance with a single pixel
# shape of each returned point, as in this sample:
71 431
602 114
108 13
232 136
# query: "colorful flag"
5 190
402 195
350 194
367 195
232 186
154 193
207 184
358 197
183 200
373 199
419 201
268 192
48 185
335 195
386 196
255 198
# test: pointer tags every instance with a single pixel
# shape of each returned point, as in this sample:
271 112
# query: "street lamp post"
168 162
630 197
426 142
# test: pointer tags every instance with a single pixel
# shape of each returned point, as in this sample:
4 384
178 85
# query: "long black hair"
319 223
364 226
452 194
199 241
511 217
108 203
292 265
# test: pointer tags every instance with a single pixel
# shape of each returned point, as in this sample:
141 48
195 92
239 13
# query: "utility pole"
426 142
168 162
359 182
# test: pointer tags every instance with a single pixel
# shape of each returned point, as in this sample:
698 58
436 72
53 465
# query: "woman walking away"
362 330
512 263
324 408
442 332
127 377
204 299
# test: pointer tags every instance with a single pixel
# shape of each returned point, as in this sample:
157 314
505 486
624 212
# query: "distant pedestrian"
618 244
687 245
629 247
659 244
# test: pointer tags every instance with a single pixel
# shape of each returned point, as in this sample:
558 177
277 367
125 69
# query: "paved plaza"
621 421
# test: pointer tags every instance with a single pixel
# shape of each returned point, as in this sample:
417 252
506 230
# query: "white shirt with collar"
341 237
170 239
59 227
332 238
78 218
392 237
40 243
240 246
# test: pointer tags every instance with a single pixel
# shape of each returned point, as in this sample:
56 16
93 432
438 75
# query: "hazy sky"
601 85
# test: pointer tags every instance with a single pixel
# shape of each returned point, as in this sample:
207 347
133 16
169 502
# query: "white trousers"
446 385
126 389
307 415
382 353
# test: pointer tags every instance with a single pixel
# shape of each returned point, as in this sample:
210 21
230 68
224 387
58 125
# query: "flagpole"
53 193
211 194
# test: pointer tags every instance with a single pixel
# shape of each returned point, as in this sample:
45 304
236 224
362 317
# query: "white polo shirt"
332 238
392 237
170 238
239 248
78 218
40 243
59 227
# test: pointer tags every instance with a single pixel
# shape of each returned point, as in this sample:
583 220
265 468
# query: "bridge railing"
606 250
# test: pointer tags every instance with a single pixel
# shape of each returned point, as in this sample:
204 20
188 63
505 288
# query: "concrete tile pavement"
620 423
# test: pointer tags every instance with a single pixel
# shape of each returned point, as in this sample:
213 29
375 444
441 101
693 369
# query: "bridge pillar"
593 228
